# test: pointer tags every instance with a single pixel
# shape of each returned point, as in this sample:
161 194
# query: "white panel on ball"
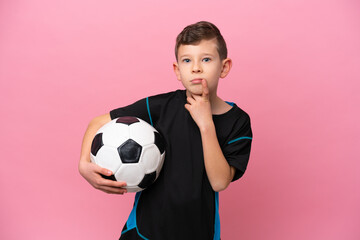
132 172
115 135
142 133
149 159
106 126
108 157
162 158
133 189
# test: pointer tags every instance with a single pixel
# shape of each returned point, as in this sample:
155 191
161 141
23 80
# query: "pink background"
296 72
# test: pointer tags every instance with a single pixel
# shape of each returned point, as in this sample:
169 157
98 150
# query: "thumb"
103 171
187 106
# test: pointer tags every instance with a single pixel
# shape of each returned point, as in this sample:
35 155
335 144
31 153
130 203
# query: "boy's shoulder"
230 107
241 115
177 92
236 116
178 95
163 102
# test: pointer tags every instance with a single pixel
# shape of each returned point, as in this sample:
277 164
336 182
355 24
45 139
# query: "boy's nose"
196 68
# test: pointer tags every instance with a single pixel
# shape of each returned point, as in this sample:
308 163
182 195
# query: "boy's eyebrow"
187 55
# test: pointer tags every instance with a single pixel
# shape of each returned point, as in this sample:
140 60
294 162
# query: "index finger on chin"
205 89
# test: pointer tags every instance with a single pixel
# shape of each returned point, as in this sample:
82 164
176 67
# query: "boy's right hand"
91 172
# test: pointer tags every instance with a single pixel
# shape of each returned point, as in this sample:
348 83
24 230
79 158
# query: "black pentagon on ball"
127 120
97 143
130 151
159 142
147 180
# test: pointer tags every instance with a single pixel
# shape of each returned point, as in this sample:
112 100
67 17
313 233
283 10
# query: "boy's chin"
195 90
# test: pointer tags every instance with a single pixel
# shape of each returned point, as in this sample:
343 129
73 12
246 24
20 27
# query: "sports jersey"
181 203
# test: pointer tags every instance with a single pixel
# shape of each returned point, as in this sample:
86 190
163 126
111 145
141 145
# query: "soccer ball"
132 149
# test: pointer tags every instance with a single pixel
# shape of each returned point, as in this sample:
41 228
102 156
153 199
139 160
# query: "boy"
208 144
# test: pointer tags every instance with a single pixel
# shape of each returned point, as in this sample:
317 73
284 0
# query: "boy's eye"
186 60
206 59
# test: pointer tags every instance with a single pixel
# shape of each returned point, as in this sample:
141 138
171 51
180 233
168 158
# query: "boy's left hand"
199 107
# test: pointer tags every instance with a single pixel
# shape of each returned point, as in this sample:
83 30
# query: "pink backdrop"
296 72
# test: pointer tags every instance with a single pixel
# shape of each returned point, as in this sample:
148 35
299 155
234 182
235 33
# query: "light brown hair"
203 30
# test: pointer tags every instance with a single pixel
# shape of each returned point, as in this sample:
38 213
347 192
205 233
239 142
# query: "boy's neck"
219 106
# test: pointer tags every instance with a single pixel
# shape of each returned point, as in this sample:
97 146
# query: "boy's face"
201 61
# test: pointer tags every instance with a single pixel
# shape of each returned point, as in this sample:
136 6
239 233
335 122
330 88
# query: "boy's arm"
90 171
218 170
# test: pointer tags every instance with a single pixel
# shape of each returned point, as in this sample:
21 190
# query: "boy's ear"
226 66
176 70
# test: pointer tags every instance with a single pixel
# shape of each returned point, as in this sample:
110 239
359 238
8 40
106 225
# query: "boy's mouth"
196 80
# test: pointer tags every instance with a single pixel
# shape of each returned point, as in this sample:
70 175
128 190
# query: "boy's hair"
203 30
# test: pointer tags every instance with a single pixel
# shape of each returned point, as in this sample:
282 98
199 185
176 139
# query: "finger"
109 185
190 100
205 92
196 97
97 169
105 171
187 106
112 183
113 190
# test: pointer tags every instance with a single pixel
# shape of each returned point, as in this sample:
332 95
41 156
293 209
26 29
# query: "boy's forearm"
92 172
219 172
90 132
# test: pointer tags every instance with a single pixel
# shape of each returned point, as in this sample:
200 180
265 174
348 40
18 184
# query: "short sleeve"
147 109
138 109
238 145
